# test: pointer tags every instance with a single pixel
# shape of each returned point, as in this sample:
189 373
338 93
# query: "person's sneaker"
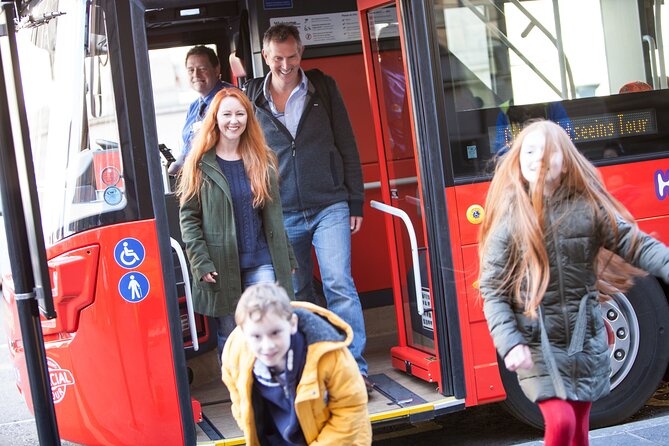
368 384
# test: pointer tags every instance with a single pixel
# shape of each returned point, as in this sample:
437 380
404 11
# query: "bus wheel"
637 323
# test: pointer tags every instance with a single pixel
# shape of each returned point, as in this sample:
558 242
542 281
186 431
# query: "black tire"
642 350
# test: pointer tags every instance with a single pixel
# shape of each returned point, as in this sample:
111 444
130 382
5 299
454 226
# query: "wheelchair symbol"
128 256
129 253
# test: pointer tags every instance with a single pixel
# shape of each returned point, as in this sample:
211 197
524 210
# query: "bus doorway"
412 184
416 352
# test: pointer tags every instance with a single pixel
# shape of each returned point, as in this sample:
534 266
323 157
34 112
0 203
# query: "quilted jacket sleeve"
651 255
497 304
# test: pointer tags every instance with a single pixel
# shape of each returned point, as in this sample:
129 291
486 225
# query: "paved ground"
654 431
478 426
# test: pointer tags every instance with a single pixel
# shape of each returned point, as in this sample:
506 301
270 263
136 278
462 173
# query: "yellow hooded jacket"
331 398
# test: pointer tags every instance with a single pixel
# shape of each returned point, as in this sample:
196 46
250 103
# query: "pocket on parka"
207 286
216 256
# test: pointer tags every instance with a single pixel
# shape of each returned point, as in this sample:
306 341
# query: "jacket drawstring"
575 346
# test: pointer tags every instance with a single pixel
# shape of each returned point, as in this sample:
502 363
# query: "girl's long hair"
257 157
510 198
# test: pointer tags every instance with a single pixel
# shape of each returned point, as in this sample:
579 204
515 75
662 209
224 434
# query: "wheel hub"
622 327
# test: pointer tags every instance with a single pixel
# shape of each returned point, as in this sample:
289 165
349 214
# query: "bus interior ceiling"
185 24
213 24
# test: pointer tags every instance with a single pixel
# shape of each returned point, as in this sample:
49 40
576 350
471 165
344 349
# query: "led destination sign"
612 125
590 128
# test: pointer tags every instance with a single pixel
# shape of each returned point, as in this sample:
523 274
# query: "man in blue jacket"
306 123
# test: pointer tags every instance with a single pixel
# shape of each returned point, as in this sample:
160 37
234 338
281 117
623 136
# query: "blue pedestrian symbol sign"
129 253
133 286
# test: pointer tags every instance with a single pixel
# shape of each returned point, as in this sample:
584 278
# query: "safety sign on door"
134 286
129 253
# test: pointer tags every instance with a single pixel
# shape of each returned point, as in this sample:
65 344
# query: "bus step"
394 391
209 429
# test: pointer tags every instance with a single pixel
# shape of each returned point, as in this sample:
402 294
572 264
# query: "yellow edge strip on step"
403 411
386 415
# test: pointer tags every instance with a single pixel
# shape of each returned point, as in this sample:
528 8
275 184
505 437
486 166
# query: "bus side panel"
113 380
640 186
482 378
636 185
372 272
489 385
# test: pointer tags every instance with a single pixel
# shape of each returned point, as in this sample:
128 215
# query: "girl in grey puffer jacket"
545 241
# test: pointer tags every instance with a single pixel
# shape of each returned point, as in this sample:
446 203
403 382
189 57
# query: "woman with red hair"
231 217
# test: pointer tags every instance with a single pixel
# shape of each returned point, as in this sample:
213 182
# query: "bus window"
72 119
569 61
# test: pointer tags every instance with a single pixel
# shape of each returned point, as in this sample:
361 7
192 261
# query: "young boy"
291 377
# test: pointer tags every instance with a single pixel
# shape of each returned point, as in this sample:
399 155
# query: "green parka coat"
575 339
208 230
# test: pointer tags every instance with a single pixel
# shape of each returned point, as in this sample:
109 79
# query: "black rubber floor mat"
395 391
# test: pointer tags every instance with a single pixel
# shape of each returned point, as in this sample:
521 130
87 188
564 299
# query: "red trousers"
566 422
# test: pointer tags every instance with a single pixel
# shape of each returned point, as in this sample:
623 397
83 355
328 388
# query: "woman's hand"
210 277
519 357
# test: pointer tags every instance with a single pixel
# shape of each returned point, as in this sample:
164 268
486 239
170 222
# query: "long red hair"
257 157
511 198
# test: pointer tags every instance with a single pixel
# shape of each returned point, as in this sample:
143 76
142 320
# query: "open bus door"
413 199
114 352
472 74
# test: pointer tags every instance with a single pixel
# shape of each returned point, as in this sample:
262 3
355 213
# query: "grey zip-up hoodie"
321 165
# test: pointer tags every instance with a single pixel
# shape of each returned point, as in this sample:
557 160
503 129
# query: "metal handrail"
660 43
395 182
189 297
414 247
652 49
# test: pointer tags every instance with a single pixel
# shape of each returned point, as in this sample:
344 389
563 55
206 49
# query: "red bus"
435 91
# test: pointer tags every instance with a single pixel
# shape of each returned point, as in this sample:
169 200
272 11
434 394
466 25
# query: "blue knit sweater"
251 242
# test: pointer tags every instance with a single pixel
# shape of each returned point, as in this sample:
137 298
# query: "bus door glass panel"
388 65
172 94
72 120
575 63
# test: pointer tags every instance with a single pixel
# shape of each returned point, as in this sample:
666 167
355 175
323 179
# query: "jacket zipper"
297 183
563 305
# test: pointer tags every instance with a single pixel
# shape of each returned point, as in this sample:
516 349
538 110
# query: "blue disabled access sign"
129 253
134 286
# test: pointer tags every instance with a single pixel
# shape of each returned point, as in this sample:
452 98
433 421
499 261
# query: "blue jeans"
251 276
328 229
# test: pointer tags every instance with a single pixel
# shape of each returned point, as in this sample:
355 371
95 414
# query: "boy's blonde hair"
260 299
